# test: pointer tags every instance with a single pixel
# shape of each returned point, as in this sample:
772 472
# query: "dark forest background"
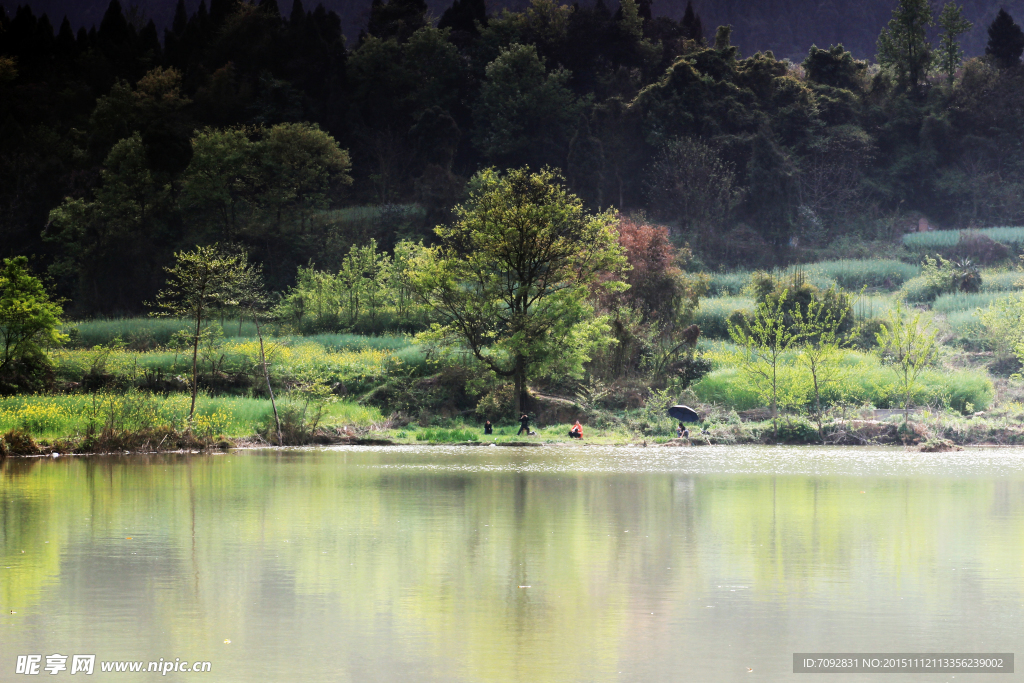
787 27
130 132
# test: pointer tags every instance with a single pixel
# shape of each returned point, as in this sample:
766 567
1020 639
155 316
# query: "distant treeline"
243 124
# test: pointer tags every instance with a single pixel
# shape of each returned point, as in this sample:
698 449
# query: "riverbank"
927 432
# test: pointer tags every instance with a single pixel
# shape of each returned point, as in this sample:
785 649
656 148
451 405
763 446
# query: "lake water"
497 564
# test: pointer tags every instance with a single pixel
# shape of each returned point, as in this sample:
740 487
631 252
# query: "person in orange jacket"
577 431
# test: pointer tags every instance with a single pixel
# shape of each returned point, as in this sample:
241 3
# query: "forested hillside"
260 126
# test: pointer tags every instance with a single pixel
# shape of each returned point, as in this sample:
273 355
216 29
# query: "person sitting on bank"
682 432
488 429
524 424
577 431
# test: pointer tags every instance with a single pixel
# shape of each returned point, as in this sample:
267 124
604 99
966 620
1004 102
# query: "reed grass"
938 239
964 301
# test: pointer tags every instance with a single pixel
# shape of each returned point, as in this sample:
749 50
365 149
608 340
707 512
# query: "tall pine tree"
1005 41
693 29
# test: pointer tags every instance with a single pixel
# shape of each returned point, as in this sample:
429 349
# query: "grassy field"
865 380
850 274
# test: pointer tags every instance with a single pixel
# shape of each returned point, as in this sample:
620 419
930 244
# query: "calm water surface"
494 564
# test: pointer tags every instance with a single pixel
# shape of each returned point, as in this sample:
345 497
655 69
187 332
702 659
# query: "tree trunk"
520 386
195 370
266 375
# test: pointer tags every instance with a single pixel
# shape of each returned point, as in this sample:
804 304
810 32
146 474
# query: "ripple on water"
781 460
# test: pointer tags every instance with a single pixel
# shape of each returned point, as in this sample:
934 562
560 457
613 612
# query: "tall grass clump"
438 435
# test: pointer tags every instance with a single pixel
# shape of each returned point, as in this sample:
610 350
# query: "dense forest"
121 143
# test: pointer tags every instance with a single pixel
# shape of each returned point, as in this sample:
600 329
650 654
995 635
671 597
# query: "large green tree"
512 277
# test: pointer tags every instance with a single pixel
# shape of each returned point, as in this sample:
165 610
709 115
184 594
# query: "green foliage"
372 289
29 322
942 276
821 336
798 430
1003 322
834 67
799 295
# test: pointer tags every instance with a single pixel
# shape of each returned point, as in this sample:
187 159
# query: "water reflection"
486 564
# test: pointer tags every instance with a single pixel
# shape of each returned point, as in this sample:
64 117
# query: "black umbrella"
684 414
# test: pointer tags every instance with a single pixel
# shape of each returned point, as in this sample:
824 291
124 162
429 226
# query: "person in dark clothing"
488 429
524 424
